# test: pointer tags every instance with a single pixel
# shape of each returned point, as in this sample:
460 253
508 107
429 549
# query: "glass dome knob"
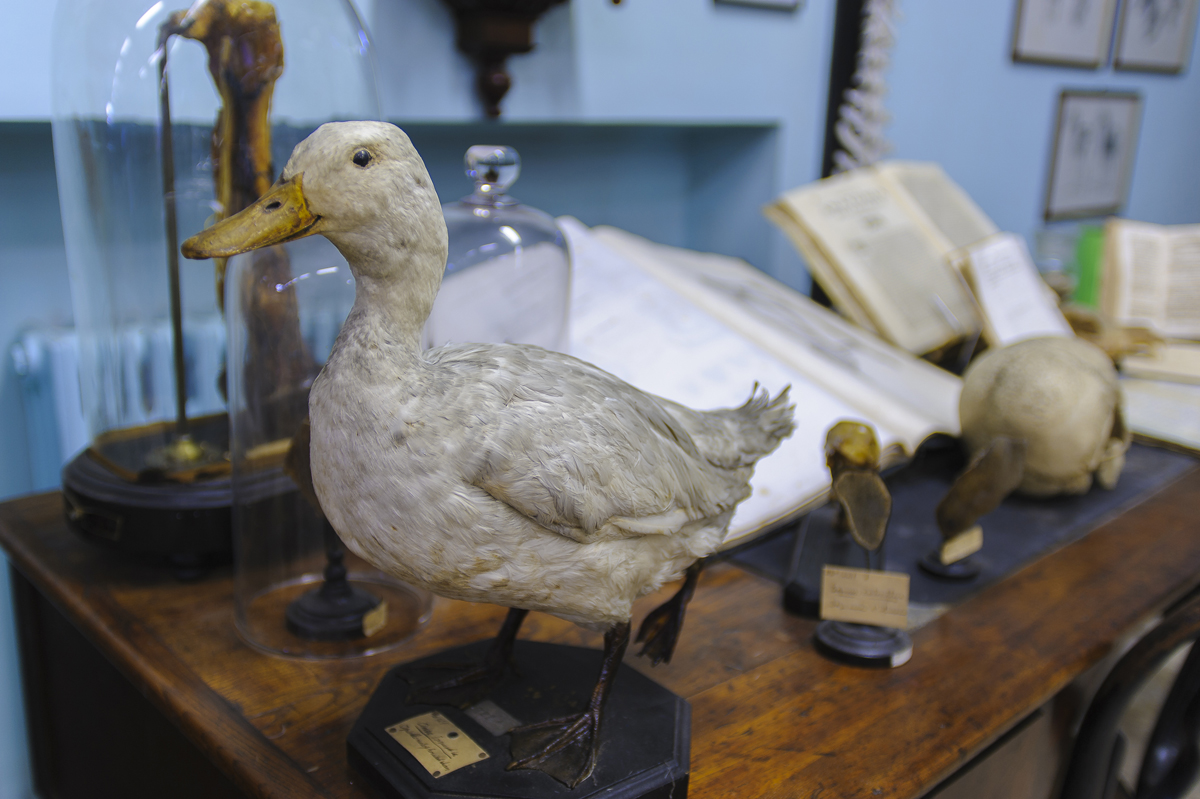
493 168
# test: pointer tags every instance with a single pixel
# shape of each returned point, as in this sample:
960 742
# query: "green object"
1089 259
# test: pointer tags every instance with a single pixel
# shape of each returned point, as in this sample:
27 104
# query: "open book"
1151 278
702 329
878 240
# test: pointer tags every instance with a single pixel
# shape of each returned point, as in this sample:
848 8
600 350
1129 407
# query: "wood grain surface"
771 718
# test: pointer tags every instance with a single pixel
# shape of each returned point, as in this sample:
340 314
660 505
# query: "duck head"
363 186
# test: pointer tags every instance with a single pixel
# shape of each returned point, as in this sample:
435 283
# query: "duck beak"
279 216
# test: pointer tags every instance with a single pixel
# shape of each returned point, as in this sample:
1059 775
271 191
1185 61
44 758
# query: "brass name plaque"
864 596
436 743
968 542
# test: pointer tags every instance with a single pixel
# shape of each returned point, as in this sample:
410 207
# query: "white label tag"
492 717
968 542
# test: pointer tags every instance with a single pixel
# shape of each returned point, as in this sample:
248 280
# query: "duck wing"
583 453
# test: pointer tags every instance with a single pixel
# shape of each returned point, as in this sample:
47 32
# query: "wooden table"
189 710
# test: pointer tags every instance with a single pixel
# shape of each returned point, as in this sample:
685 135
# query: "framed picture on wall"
1155 35
1095 140
1072 33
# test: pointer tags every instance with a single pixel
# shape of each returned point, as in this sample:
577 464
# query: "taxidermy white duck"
493 473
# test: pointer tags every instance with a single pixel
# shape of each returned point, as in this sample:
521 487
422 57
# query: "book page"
1175 361
1134 277
1152 276
1181 316
896 270
886 384
950 209
1166 412
819 267
1016 303
630 324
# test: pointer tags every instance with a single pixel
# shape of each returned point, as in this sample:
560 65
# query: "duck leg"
661 627
475 681
565 748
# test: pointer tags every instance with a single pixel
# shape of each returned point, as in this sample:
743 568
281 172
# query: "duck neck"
394 311
395 287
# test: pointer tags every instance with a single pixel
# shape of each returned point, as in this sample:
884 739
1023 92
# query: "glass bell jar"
508 274
298 592
167 117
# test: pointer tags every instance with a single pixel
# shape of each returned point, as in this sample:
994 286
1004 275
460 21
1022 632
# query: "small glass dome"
508 274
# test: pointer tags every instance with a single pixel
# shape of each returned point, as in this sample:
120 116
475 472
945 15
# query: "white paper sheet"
633 326
1015 300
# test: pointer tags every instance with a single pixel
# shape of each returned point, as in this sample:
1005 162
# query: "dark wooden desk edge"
170 685
182 696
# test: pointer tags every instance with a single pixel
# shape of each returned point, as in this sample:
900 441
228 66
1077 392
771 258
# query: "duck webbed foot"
474 681
661 627
565 748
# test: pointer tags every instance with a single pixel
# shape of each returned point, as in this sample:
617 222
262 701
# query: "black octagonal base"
645 739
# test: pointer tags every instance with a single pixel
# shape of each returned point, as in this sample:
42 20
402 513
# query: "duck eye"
362 158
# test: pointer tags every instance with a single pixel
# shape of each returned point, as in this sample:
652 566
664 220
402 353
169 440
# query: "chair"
1171 762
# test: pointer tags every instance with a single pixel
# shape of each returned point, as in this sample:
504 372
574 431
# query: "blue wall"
957 98
682 114
33 290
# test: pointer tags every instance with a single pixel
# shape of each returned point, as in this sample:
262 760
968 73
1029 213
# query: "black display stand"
333 611
966 569
863 644
819 545
645 739
186 525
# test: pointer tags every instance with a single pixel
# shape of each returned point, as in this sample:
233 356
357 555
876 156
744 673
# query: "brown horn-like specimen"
992 475
245 59
868 506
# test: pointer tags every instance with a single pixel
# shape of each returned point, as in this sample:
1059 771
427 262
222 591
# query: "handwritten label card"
864 596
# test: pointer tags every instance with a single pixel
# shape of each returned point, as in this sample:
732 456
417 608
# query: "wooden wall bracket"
489 31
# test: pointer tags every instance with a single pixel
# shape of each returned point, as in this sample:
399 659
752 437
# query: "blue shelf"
692 185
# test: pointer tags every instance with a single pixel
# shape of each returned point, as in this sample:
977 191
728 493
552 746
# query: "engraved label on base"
492 717
375 619
960 546
864 596
436 743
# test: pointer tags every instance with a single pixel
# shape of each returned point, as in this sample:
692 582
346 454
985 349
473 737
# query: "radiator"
46 361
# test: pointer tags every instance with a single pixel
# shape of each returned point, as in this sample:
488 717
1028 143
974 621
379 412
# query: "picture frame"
1074 33
1155 35
773 5
1091 164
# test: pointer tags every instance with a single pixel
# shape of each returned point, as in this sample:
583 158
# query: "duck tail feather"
764 421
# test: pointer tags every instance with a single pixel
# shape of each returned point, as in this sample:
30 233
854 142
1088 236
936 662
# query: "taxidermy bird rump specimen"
493 473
